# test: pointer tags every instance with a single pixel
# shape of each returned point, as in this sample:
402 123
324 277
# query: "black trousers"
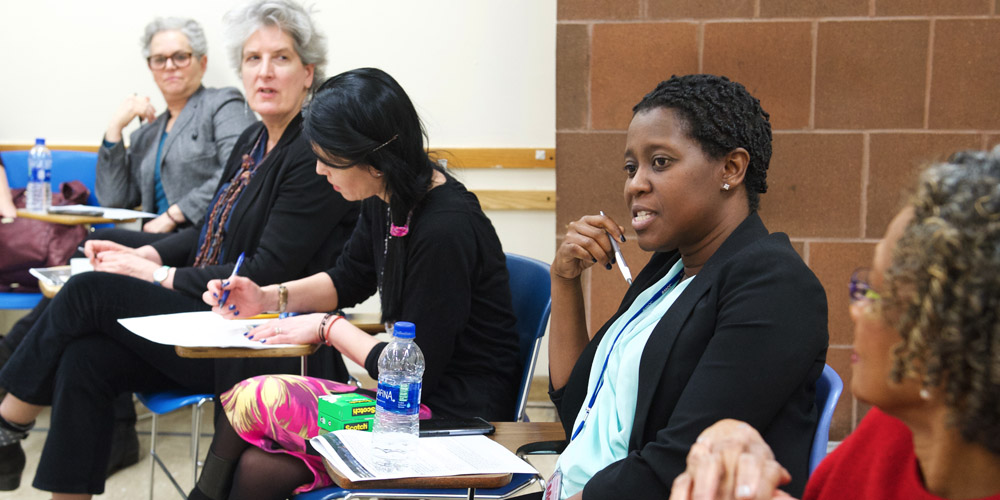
124 409
78 359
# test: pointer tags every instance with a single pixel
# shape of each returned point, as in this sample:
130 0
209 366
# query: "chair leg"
152 456
195 441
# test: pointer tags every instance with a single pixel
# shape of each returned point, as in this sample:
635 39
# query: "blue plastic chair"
66 166
163 402
532 302
828 389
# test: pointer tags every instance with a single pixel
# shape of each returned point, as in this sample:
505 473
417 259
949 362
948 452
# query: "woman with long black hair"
423 242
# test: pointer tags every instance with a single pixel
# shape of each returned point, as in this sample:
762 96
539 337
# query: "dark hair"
944 281
721 116
365 117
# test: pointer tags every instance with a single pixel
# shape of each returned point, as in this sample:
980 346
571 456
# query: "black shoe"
11 466
124 447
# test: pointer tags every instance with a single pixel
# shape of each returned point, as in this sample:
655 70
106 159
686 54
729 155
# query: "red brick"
814 185
839 358
589 176
773 60
813 8
894 162
833 264
966 75
871 74
684 9
628 60
597 9
992 141
933 7
572 76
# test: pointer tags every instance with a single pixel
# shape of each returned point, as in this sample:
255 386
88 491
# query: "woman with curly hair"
725 321
926 355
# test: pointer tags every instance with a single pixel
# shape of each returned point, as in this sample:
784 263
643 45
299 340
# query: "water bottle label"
400 399
38 174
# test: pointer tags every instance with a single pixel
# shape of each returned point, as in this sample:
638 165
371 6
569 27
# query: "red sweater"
875 462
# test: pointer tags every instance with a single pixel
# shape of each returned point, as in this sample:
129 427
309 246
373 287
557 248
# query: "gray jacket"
194 154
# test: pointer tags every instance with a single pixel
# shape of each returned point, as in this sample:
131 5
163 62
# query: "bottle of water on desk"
397 412
39 190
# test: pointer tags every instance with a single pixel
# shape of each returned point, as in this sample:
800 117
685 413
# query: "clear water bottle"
39 190
397 411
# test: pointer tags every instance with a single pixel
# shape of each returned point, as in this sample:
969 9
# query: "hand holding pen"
588 241
236 270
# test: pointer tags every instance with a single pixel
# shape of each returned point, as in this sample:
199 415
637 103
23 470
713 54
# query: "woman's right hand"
586 243
730 461
245 297
130 108
93 248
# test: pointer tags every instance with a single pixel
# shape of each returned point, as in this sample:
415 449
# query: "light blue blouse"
606 429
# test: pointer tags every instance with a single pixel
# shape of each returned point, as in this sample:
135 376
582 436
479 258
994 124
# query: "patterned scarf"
211 246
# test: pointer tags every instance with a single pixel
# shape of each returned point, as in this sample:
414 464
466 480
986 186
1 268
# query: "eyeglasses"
180 59
860 288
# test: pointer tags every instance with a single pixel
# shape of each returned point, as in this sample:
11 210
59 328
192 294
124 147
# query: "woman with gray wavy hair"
174 160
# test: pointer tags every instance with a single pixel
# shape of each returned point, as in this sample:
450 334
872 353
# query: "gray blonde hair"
188 27
289 17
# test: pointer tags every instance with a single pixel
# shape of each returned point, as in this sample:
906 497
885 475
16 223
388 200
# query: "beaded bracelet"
329 338
322 327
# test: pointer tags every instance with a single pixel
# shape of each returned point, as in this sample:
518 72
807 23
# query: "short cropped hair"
188 27
288 16
944 287
721 116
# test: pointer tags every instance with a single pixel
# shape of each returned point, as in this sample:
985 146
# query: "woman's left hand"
126 263
730 461
301 329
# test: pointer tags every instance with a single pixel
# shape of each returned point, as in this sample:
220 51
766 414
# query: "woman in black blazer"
724 321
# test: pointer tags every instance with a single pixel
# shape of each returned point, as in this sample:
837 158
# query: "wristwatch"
160 274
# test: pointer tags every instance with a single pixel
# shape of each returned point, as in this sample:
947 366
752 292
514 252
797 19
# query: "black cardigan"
456 292
746 339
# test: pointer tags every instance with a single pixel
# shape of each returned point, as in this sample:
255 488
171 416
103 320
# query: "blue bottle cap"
40 141
404 330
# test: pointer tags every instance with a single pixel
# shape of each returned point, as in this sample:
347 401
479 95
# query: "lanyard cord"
600 378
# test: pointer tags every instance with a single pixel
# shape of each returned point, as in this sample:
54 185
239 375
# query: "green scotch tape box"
346 411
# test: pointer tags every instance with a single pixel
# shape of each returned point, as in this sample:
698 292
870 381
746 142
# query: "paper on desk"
349 452
196 329
109 213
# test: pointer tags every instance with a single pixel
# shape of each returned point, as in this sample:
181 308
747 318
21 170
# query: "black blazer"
746 339
288 221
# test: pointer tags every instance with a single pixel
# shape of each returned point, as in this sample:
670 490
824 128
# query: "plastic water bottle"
397 410
39 190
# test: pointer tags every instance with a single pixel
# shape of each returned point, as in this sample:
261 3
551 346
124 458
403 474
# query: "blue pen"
236 269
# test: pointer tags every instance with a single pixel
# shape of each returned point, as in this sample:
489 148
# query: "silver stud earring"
925 394
725 187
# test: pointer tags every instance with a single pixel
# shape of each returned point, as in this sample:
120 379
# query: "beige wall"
860 93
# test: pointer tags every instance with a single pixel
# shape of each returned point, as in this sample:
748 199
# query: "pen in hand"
622 266
236 269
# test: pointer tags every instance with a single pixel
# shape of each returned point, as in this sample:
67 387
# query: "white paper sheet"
196 329
109 213
432 457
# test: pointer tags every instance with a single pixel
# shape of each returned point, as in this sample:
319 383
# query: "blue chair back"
532 300
828 390
66 166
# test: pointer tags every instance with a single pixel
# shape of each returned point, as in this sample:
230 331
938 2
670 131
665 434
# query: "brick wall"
861 92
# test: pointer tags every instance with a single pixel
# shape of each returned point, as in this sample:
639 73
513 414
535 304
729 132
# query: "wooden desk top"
68 220
512 435
243 352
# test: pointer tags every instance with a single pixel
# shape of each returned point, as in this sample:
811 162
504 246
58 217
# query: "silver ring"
277 331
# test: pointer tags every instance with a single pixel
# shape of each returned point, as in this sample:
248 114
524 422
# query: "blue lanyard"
600 379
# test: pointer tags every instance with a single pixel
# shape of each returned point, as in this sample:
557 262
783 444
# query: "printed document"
349 452
196 329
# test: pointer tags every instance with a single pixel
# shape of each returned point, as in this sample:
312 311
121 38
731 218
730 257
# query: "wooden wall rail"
468 158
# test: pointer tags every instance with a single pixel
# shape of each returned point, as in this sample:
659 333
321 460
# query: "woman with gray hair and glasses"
174 160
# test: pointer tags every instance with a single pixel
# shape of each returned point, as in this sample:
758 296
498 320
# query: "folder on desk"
348 455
